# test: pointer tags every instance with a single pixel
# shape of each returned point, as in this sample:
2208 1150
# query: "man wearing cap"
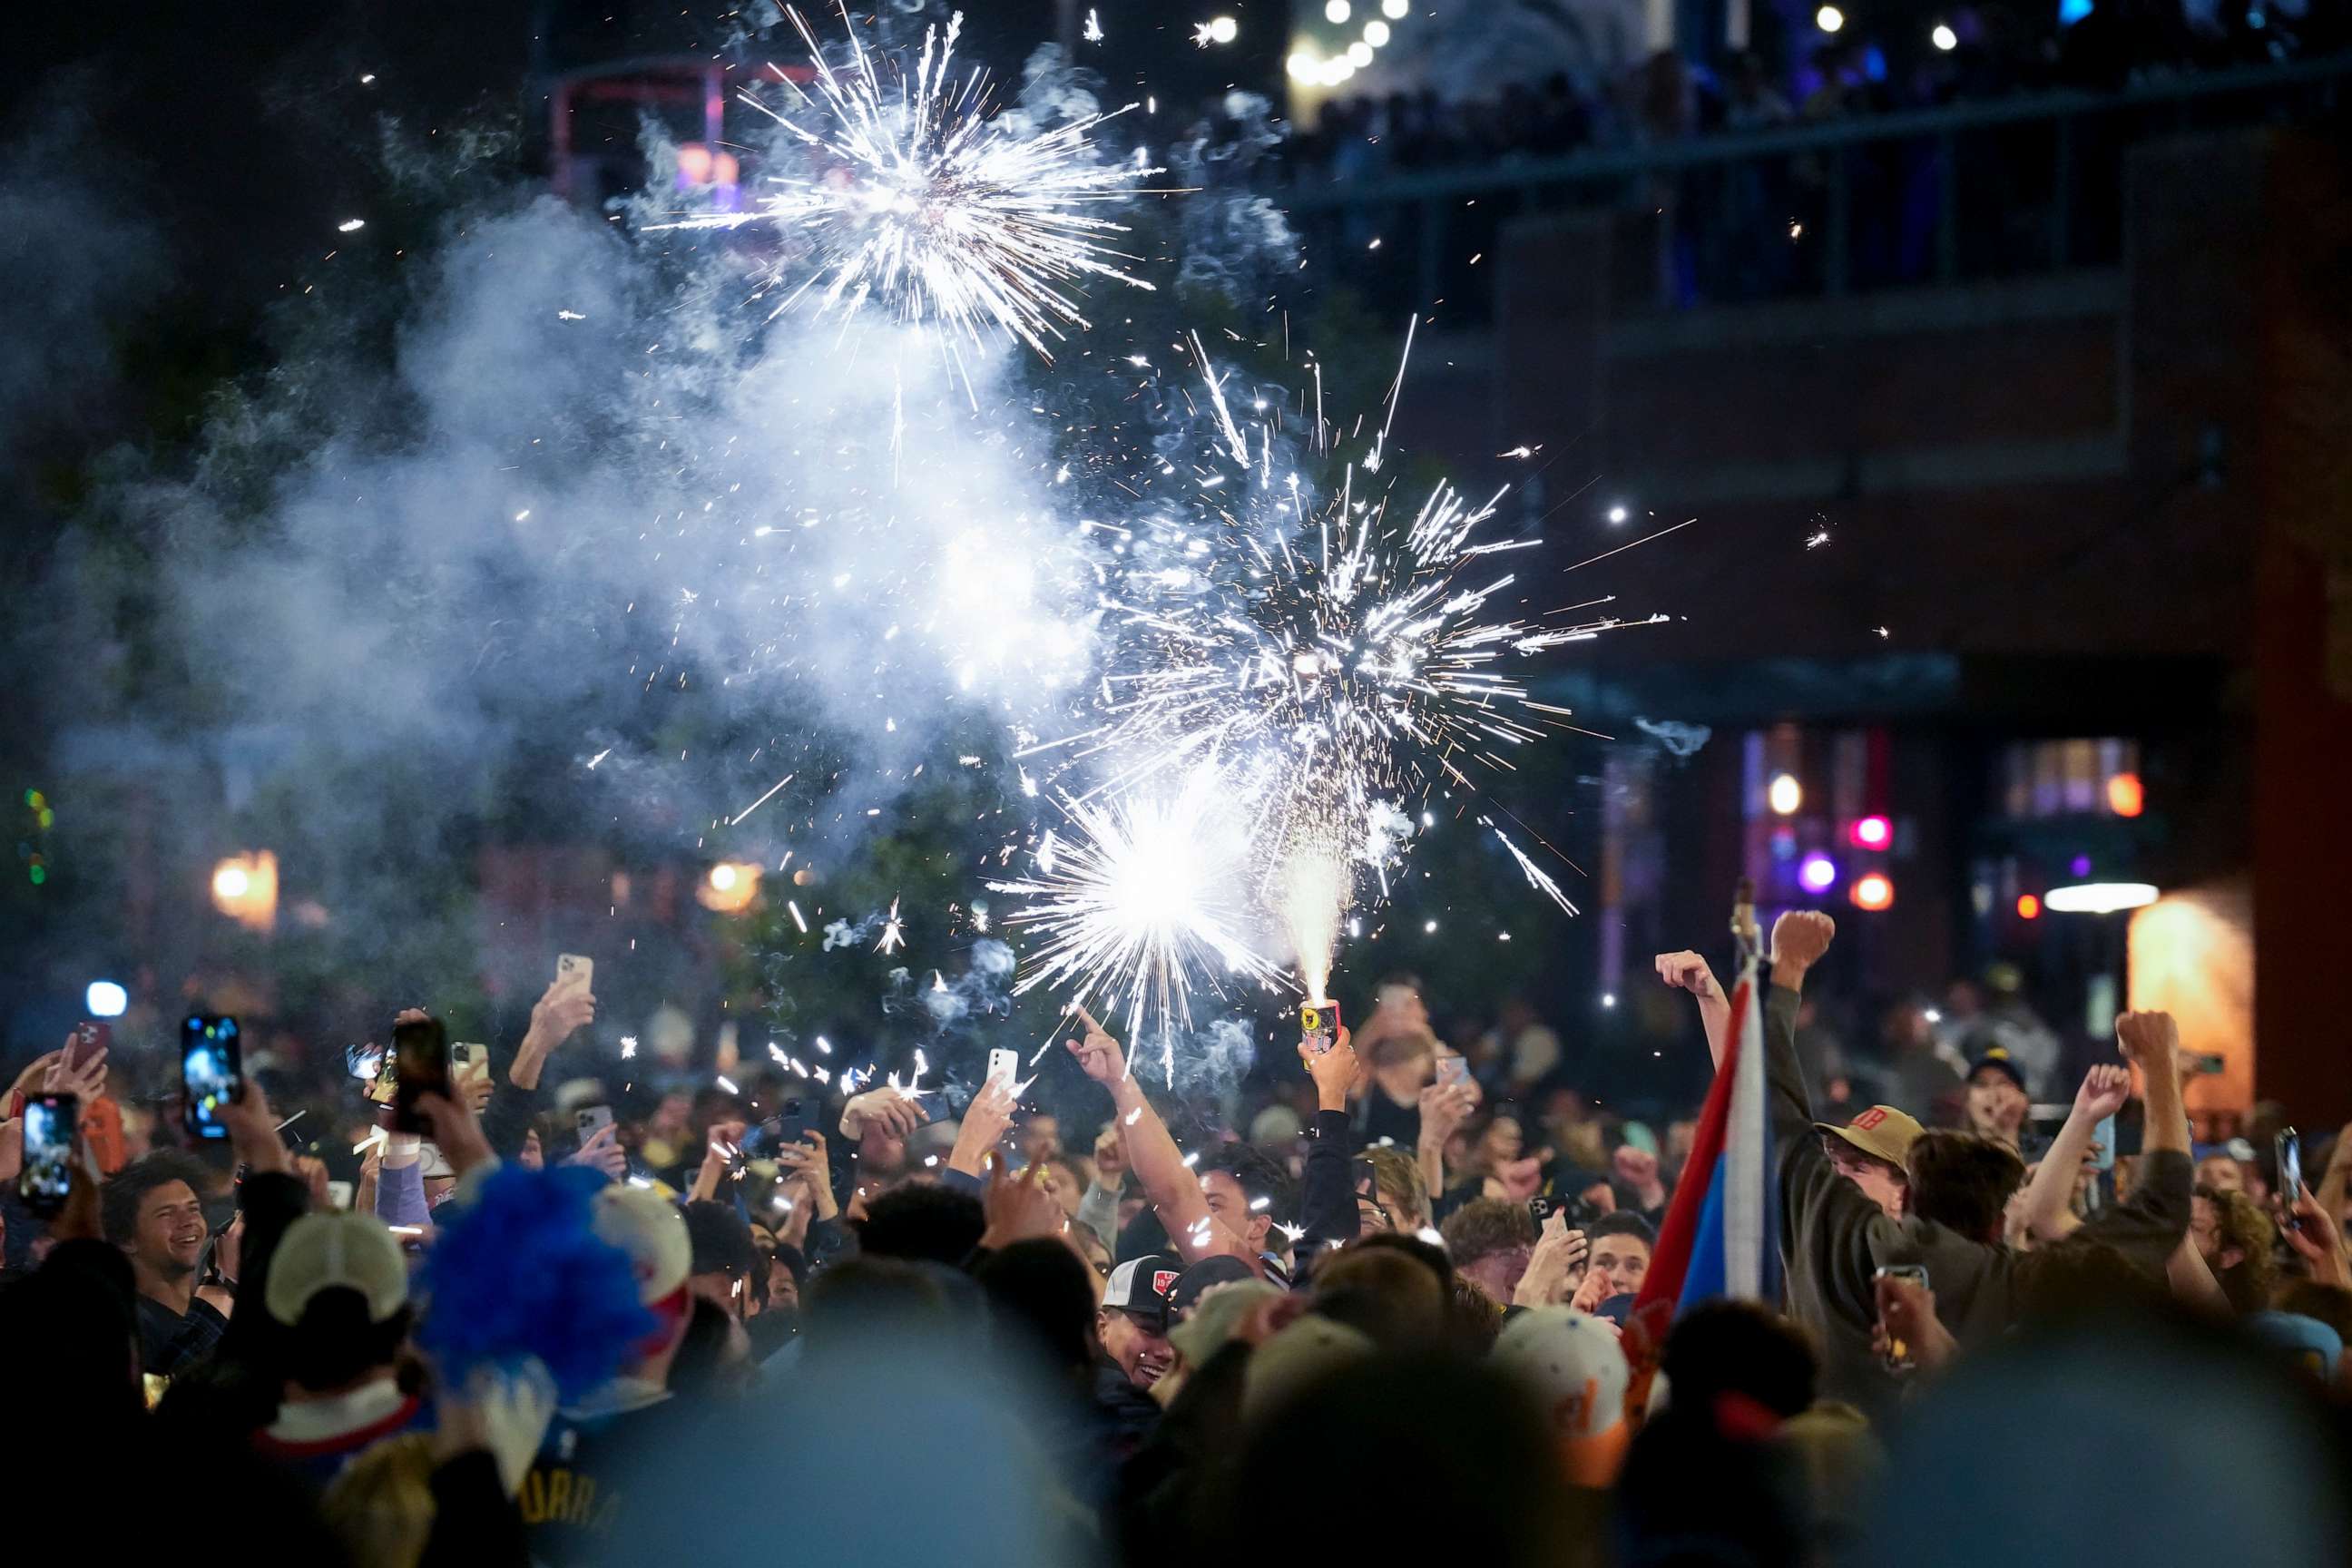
578 1485
1998 1099
1834 1238
1132 1322
1872 1151
337 1292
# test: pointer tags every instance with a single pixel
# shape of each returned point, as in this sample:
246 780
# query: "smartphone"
1003 1066
575 972
47 1174
2288 1146
1366 1179
420 1058
468 1059
2103 1156
591 1119
1318 1022
792 1124
90 1038
211 1071
1898 1355
1452 1068
339 1194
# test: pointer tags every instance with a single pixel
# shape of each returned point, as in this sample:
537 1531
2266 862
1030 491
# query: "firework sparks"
1141 901
894 932
927 205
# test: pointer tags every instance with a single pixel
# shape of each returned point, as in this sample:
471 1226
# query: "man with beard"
152 1213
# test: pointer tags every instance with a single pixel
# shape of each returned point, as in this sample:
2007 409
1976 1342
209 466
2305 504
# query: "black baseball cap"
1203 1277
1999 1060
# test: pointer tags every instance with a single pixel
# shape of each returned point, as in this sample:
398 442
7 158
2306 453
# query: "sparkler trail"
925 205
1148 893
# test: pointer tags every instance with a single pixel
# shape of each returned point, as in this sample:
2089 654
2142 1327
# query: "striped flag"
1722 1233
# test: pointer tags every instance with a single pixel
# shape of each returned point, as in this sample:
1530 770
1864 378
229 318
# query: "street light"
2099 898
245 889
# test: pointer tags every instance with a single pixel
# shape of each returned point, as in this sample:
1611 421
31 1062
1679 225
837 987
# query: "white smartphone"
574 971
468 1059
1003 1066
591 1119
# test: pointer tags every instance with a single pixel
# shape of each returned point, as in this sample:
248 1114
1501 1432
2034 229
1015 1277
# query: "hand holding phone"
1894 1311
420 1058
1003 1066
46 1180
1452 1068
2288 1148
212 1072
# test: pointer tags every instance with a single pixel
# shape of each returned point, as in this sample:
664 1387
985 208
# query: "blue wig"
519 1271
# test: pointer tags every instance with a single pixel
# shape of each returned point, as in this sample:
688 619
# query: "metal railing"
1971 190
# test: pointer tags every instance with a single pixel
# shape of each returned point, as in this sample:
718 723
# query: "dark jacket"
1833 1238
1326 1194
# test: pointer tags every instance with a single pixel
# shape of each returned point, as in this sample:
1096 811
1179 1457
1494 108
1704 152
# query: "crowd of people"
1975 53
1401 1297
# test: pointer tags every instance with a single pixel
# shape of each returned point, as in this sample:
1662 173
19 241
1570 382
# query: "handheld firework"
1320 1023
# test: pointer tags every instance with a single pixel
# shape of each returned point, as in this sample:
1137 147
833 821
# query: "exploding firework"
1148 894
923 202
1328 660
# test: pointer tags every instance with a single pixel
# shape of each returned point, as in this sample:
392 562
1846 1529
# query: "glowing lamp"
2099 898
2029 908
1873 892
1872 833
1784 795
1818 874
1304 66
1943 38
1337 11
105 999
1829 19
2127 797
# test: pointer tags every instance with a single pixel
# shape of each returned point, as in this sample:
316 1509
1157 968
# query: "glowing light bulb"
1784 795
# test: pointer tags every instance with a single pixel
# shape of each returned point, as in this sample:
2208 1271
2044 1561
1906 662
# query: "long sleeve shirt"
1834 1238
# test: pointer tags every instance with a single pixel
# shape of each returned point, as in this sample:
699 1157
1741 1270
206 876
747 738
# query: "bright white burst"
924 203
1145 896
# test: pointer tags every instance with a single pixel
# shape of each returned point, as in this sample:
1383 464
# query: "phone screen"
2289 1147
420 1054
47 1174
212 1069
1453 1069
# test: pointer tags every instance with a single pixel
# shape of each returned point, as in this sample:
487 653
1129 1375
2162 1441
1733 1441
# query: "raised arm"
2047 1214
1151 1153
1444 1108
559 1011
2148 1224
1686 971
1326 1196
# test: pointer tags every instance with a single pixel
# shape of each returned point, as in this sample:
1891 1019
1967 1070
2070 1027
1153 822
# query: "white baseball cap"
651 1230
337 1251
1575 1366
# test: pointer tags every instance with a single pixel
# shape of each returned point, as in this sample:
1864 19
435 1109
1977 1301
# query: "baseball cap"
1142 1286
719 1239
336 1252
1997 1059
649 1228
1575 1366
2309 1344
1295 1357
1203 1276
1881 1132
